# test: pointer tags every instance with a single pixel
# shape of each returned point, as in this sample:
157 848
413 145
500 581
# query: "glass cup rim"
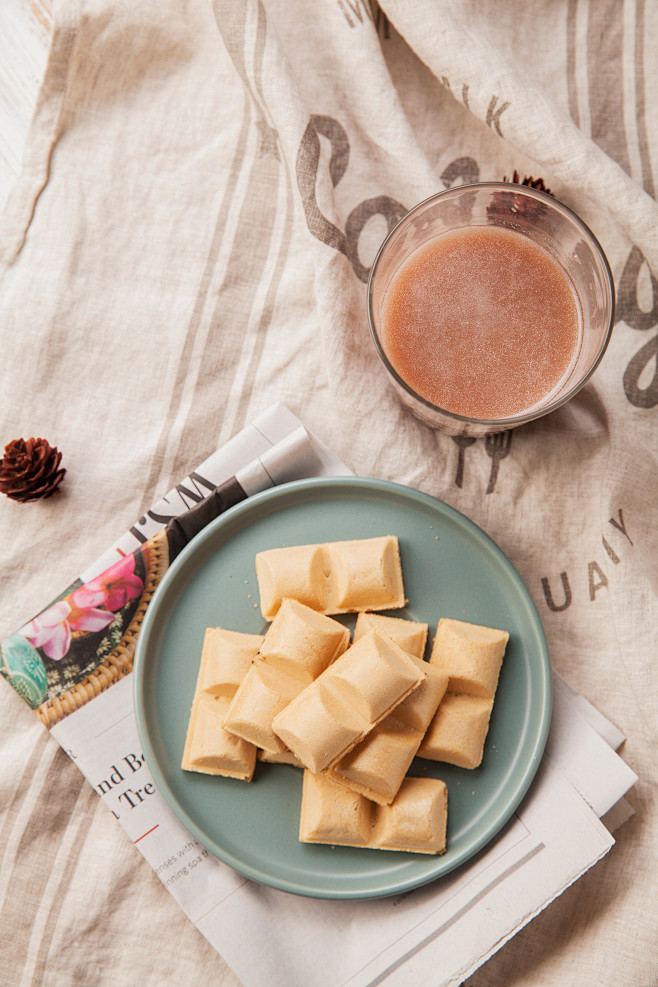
528 416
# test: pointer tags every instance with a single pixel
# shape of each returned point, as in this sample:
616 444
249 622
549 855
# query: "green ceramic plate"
451 569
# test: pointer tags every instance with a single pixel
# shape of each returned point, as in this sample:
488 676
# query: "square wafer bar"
410 635
332 577
414 822
471 655
209 748
458 730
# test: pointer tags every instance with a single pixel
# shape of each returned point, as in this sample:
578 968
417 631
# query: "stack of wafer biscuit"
351 711
471 656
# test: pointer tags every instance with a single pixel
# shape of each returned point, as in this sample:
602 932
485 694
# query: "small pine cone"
29 470
531 182
504 204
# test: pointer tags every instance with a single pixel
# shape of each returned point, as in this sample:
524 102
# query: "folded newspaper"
73 662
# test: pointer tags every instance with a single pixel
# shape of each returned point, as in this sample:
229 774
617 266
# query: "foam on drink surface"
482 322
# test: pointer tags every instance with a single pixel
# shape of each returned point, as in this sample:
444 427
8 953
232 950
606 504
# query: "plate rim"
173 573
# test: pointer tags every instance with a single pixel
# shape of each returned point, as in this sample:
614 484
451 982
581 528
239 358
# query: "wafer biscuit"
347 700
471 655
458 731
410 635
414 822
376 767
332 577
209 748
298 646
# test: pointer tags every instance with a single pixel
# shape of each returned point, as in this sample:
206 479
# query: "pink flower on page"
51 630
113 588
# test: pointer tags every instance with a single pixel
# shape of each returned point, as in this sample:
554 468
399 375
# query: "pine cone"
29 470
531 182
504 204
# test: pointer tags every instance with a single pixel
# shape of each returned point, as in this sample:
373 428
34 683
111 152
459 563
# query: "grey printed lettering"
597 579
620 524
464 170
548 596
392 212
356 8
308 161
494 113
628 306
612 555
639 394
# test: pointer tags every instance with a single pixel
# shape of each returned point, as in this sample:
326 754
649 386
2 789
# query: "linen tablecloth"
202 192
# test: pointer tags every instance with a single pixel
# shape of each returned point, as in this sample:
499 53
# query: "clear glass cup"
549 224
